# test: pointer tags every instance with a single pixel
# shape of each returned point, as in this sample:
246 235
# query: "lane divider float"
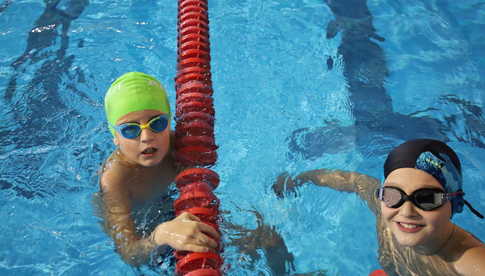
195 146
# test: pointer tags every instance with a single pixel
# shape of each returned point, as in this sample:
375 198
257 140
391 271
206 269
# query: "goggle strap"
474 211
458 193
380 193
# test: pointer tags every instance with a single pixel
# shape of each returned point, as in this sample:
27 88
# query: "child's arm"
118 222
364 185
185 232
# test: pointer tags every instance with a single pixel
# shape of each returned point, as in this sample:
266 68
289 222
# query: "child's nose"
408 209
146 135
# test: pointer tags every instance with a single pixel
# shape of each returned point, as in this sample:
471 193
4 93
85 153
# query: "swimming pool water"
298 85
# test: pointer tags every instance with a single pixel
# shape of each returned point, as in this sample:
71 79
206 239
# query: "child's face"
149 148
410 225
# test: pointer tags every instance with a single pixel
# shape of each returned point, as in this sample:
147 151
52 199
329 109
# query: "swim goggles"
426 199
133 130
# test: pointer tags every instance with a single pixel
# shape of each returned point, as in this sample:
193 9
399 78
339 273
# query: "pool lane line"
195 145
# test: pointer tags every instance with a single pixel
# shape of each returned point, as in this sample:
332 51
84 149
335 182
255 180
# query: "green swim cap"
134 91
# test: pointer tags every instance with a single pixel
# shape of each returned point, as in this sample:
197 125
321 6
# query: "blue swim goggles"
133 130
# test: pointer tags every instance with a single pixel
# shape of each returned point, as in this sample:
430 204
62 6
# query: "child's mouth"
149 151
409 227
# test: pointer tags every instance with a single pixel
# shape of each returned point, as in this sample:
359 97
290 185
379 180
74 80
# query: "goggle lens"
392 197
158 124
428 199
130 131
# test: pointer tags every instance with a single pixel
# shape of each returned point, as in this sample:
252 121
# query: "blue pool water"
299 85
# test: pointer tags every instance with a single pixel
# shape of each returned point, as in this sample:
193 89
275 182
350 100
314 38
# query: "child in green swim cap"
136 176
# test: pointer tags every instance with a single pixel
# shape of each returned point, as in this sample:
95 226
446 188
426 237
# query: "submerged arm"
264 238
361 184
119 224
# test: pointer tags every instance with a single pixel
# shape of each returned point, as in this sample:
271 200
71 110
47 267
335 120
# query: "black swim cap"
435 158
406 154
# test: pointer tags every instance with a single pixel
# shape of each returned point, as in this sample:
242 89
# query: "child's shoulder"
472 261
115 171
468 253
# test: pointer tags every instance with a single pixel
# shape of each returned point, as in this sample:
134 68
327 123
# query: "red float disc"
197 174
198 21
179 254
190 9
194 61
190 116
193 30
193 70
193 128
189 87
194 86
196 186
184 44
194 261
194 22
195 53
194 45
195 106
194 76
194 97
193 15
192 3
205 141
195 36
378 272
196 198
204 272
192 37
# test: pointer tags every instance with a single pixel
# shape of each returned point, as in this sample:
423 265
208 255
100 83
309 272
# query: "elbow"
130 258
131 254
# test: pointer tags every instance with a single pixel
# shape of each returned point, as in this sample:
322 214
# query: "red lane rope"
194 133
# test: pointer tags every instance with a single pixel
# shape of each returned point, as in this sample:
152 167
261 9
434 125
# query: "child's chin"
407 240
149 163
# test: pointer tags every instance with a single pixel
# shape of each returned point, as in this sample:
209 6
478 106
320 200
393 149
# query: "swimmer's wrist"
153 238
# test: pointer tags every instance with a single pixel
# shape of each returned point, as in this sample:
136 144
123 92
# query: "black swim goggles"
133 130
426 199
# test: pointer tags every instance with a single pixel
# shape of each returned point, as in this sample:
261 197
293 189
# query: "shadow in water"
35 105
365 71
5 5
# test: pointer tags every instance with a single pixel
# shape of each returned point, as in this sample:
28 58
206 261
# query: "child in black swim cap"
421 192
438 160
